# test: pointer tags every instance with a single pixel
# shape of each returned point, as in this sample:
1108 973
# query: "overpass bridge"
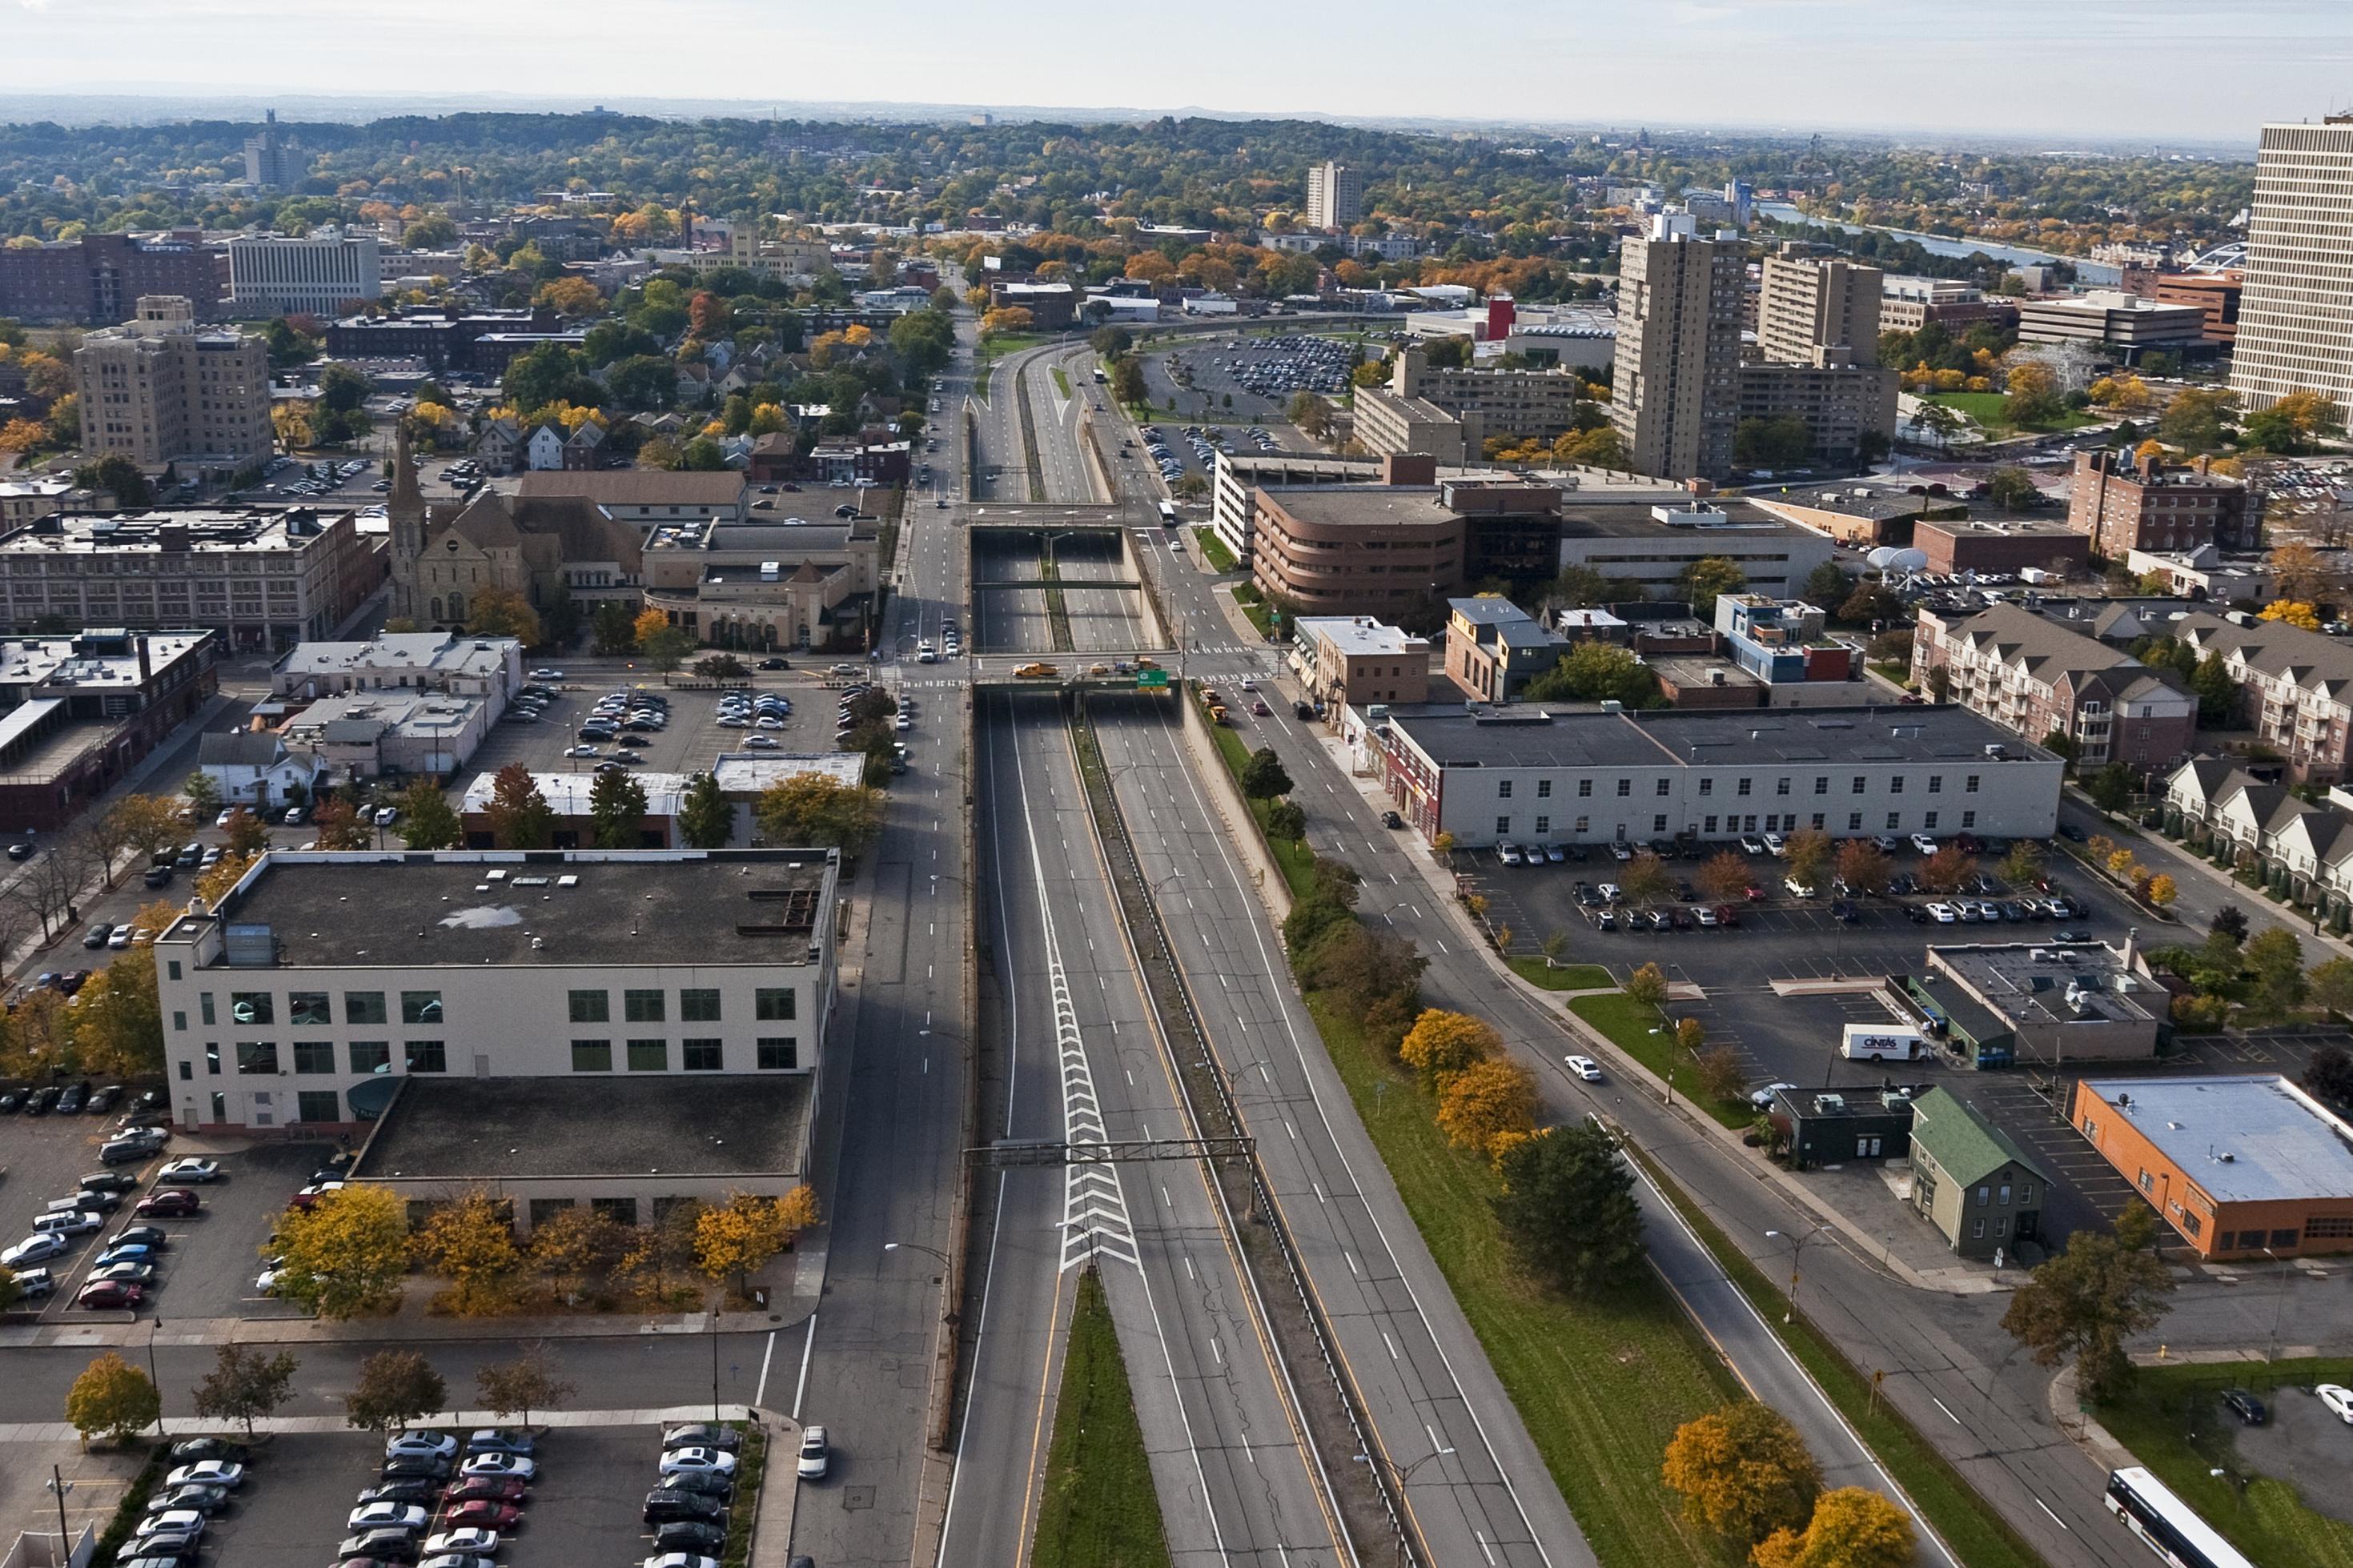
1031 519
1129 669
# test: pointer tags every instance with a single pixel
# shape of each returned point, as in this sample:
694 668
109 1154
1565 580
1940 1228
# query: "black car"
20 851
384 1545
431 1465
774 664
668 1504
1844 912
690 1536
12 1100
703 1483
2246 1407
635 741
153 1238
158 876
43 1101
195 1450
2072 834
1915 914
108 1182
104 1098
70 1103
1391 819
406 1489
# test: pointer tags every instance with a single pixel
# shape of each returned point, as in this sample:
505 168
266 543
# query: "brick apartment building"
95 280
2159 510
2037 677
2295 687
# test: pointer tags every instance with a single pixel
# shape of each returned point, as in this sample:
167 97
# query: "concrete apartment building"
2243 1165
263 580
1388 425
1818 336
500 971
1518 405
2295 312
269 163
2036 678
2295 689
1347 661
1051 306
2126 324
161 390
2161 509
1335 196
98 280
1849 411
1535 772
318 275
1676 384
78 712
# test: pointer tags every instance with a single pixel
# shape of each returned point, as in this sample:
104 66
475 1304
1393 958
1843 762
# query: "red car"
170 1203
308 1196
114 1293
1756 895
483 1512
1726 915
491 1488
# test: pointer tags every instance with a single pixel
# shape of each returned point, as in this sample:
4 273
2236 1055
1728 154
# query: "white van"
1880 1042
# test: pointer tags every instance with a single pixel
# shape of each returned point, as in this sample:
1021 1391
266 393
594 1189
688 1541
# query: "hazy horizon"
2094 73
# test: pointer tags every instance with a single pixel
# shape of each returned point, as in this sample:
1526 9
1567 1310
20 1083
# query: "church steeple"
405 495
404 509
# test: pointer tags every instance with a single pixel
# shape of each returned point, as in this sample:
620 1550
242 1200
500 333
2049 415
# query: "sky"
2079 71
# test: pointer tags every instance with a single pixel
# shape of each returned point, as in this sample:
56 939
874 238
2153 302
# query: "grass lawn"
1561 977
1296 860
2270 1524
1601 1385
1099 1509
1986 408
1628 1023
1061 382
1214 550
1951 1505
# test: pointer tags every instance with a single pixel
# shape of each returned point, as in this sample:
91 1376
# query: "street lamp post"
154 1376
1797 1251
914 1247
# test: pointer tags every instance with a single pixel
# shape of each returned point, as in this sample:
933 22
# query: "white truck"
1880 1042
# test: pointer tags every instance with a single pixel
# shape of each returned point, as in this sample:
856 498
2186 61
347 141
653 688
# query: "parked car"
498 1464
421 1440
174 1521
467 1542
2338 1400
498 1440
109 1295
487 1488
387 1514
381 1545
172 1203
406 1489
190 1449
433 1466
817 1454
690 1535
484 1513
686 1459
207 1500
701 1435
665 1505
2248 1409
189 1172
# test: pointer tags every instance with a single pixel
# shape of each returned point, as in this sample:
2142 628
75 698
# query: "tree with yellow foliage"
1744 1472
1485 1100
292 422
1006 320
2293 613
741 1235
502 613
573 297
1441 1044
22 434
118 1021
1852 1527
2301 572
650 624
347 1252
2309 413
471 1243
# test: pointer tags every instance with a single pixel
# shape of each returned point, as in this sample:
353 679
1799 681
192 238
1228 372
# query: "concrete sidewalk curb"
366 1330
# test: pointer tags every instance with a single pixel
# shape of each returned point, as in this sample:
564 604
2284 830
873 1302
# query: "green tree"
1567 1209
2193 419
614 629
245 1384
2033 397
519 814
2331 987
811 809
2276 958
1744 1472
617 811
1783 442
666 649
2111 788
396 1388
2218 694
1828 585
2091 1299
1595 671
1581 587
426 821
706 817
702 455
1263 776
1648 985
2011 489
119 476
1706 578
112 1399
1286 822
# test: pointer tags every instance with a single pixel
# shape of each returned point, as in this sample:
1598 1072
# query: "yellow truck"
1036 671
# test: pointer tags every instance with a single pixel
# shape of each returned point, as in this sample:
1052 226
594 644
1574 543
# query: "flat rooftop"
1357 635
95 659
397 651
1362 506
1634 517
678 1124
516 907
2252 1139
204 530
2030 981
1537 735
749 772
571 791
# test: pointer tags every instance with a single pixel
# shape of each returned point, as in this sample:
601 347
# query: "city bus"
2150 1510
1167 515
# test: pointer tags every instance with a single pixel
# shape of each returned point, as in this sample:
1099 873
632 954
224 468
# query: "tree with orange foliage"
1485 1100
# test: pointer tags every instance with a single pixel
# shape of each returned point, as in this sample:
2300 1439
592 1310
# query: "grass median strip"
1214 550
1601 1385
1977 1536
1630 1025
2170 1421
1099 1509
1561 977
1295 858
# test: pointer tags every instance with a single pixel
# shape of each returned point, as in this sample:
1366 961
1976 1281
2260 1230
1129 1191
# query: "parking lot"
689 743
583 1507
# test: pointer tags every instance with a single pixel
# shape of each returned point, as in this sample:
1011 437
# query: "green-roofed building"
1971 1183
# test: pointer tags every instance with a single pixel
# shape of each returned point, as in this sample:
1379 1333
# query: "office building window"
318 1105
1544 789
220 1106
252 1007
778 1052
698 1055
641 1006
179 1021
205 1006
777 1001
1969 785
1582 822
592 1055
648 1056
369 1056
314 1056
1707 825
592 1007
308 1008
1502 789
699 1006
363 1007
420 1006
425 1056
257 1057
1502 825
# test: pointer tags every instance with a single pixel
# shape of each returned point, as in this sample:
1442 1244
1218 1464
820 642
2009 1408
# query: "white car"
385 815
761 743
1924 844
1610 892
582 751
1797 889
1944 914
1508 853
1774 844
680 1560
184 1172
273 1276
817 1454
703 1461
438 1444
387 1515
227 812
1762 1099
471 1542
545 674
2339 1400
1584 1067
509 1465
173 1520
222 1473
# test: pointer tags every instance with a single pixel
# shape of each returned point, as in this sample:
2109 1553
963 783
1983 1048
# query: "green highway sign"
1151 681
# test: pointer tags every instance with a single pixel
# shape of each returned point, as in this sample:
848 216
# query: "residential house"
584 449
253 767
1978 1189
2295 687
1493 648
2302 848
500 446
544 450
2038 677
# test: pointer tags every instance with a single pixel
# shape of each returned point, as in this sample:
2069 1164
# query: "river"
1944 244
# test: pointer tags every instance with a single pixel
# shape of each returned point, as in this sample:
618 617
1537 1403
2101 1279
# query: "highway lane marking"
760 1391
1946 1408
2054 1517
1391 1343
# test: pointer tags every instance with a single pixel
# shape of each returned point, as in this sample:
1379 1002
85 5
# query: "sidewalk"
793 1306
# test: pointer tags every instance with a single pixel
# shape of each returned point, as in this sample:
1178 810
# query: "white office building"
319 275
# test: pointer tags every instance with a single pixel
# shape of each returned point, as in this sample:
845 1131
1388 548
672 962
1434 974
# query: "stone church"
544 547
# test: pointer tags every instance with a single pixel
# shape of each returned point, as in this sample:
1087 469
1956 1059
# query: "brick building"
2158 508
2295 687
1965 546
2037 677
95 280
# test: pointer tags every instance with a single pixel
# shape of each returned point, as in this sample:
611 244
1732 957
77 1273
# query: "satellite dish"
1888 558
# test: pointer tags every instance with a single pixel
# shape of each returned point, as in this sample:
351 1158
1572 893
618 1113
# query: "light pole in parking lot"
156 1377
